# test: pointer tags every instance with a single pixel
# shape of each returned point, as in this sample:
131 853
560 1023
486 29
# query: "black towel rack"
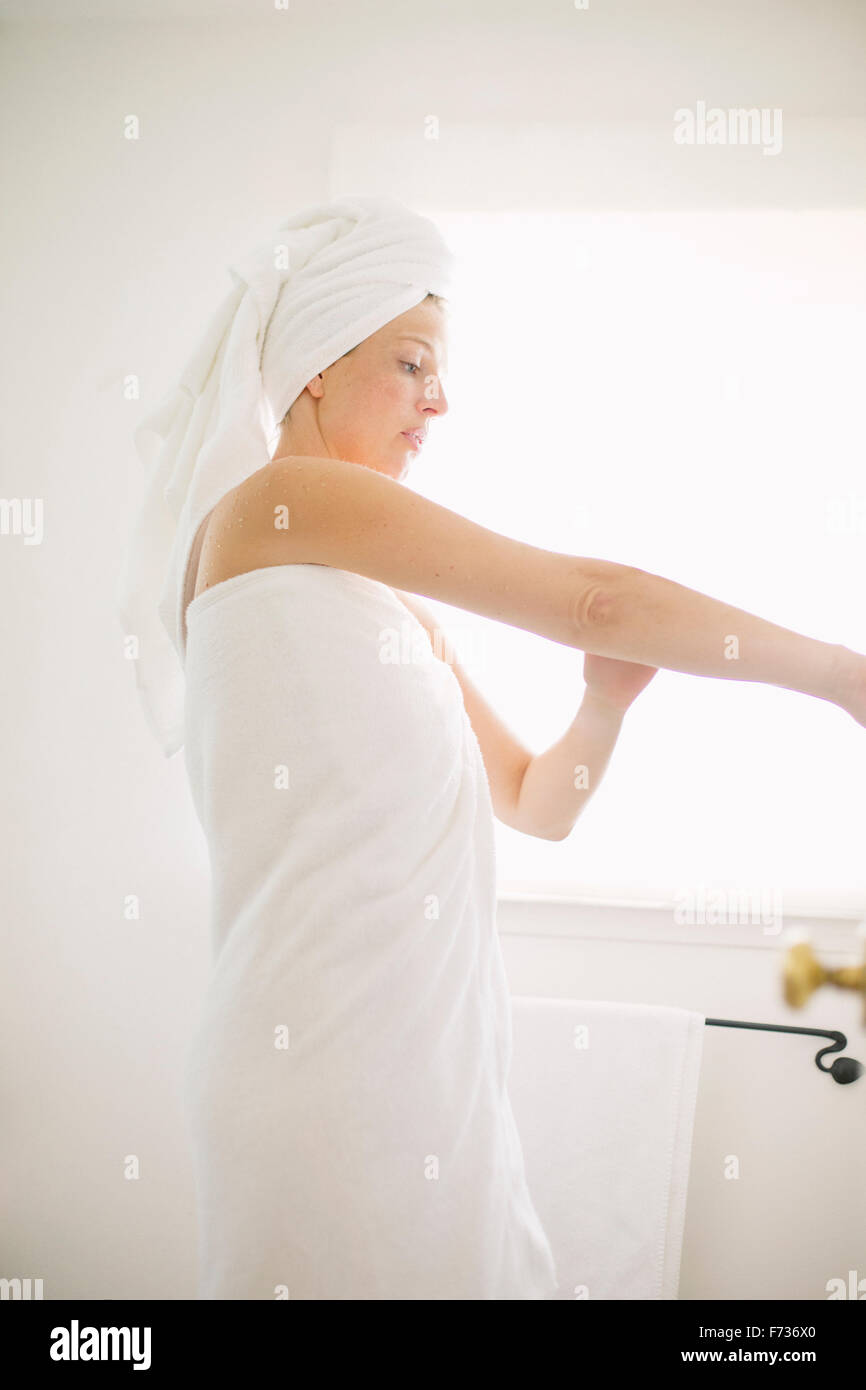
843 1069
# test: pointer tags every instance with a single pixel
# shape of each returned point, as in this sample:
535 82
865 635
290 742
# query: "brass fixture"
802 974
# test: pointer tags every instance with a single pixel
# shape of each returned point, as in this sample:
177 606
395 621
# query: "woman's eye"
414 365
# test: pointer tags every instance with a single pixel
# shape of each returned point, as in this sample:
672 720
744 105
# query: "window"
681 391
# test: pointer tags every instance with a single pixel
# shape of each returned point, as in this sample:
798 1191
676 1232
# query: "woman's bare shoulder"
220 550
310 510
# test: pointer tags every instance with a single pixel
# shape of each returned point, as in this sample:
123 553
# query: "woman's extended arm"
657 621
333 512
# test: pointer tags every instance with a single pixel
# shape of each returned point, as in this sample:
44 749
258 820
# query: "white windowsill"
530 914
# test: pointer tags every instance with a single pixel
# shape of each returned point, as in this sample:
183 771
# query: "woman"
347 1083
363 410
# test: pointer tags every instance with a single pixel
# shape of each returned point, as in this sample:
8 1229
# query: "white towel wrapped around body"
352 1132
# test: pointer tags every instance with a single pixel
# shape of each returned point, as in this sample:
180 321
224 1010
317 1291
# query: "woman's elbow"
599 598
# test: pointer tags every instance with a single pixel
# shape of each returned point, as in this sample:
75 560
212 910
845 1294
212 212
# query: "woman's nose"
435 398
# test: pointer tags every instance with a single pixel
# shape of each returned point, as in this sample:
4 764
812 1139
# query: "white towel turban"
330 276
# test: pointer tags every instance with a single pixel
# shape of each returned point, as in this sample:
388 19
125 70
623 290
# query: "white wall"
109 245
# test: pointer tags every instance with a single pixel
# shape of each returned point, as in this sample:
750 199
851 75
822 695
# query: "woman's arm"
655 620
543 794
558 783
333 512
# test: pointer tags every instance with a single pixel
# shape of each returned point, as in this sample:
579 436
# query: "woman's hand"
615 683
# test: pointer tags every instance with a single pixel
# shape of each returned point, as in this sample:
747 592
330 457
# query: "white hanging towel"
604 1095
352 1135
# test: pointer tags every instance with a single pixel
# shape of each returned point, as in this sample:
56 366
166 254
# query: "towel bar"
843 1069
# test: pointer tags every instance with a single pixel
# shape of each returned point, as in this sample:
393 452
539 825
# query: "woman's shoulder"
221 549
327 511
239 532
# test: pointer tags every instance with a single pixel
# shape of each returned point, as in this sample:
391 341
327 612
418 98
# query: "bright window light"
681 392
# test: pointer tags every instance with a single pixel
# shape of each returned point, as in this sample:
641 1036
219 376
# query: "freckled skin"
357 408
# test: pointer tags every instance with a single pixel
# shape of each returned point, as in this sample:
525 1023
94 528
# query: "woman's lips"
414 436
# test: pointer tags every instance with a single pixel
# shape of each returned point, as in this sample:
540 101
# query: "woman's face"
363 406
